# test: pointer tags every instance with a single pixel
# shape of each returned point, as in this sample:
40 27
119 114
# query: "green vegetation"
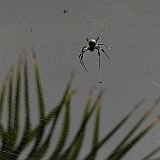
12 148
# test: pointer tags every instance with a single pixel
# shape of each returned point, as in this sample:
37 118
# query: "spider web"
130 29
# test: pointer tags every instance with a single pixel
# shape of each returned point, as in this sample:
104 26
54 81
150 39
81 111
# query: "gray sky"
129 28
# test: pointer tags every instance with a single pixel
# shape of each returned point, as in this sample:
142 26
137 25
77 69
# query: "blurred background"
58 30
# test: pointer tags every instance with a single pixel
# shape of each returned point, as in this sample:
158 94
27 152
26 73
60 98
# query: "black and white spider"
92 44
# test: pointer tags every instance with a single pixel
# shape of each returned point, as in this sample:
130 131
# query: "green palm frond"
13 145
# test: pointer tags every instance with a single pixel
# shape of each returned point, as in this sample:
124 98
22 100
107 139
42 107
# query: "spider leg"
81 53
103 51
97 39
103 44
87 39
82 63
84 49
98 55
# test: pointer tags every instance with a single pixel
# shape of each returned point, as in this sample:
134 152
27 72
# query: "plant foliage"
12 149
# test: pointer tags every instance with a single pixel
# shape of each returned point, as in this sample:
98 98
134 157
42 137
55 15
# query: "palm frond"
13 146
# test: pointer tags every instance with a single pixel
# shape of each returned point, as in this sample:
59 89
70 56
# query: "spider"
92 44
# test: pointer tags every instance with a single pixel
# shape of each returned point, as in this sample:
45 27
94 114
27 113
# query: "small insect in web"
92 45
65 11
